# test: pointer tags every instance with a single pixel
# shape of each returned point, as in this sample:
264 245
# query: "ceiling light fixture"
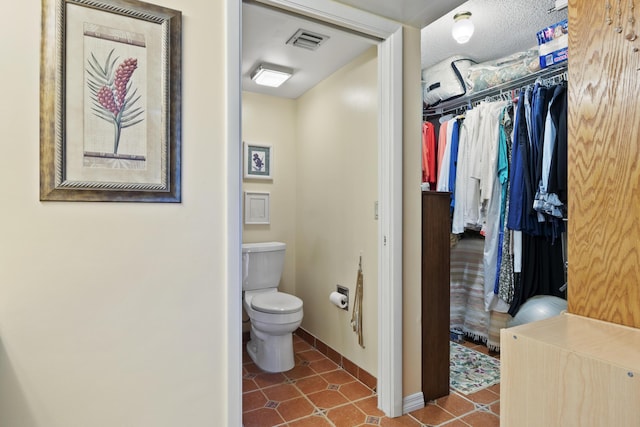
462 29
271 75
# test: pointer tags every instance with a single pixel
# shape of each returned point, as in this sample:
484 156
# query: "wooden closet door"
604 166
436 228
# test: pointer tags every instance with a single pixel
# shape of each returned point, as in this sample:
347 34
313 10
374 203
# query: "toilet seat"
276 303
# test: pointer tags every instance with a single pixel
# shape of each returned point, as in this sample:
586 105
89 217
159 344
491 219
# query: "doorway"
390 191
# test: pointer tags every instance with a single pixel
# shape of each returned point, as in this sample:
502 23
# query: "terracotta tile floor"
317 392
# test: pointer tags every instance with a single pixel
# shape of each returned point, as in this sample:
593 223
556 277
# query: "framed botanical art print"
110 101
258 161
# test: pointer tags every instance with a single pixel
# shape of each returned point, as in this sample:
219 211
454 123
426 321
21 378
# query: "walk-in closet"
494 174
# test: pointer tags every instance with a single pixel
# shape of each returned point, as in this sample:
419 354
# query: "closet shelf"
549 74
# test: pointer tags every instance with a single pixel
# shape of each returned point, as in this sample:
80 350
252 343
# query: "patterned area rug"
471 371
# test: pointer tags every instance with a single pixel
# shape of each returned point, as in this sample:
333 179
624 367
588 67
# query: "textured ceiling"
264 39
501 28
416 13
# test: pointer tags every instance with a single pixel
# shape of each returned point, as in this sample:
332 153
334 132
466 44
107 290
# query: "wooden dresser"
570 371
436 228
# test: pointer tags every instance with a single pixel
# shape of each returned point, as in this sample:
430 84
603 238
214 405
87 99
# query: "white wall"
114 314
412 217
271 116
337 183
341 337
271 120
322 194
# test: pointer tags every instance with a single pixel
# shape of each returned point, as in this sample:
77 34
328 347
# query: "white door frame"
232 286
390 119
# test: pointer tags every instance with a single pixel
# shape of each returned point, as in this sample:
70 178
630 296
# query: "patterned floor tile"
281 392
432 415
485 396
403 421
455 423
355 391
455 404
295 408
253 400
313 421
264 417
327 399
481 419
312 384
338 377
346 416
370 406
323 365
318 393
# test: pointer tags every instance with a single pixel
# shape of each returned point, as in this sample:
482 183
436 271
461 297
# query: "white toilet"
274 315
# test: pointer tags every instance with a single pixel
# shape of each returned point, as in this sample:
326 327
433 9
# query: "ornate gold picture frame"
110 101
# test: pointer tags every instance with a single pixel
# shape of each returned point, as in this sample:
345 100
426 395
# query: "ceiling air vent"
307 39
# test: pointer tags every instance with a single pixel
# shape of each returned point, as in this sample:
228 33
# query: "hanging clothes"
491 191
453 159
465 215
542 270
558 170
473 207
505 276
547 203
429 154
442 143
445 164
505 167
540 217
487 171
518 166
528 151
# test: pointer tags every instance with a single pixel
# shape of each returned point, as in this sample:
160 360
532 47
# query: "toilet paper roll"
338 299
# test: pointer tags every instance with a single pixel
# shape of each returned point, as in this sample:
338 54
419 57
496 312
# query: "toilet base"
271 353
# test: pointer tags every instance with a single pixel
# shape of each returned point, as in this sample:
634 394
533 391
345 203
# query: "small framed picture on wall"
256 207
258 161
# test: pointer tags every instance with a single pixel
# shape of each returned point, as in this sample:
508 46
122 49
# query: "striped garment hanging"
356 315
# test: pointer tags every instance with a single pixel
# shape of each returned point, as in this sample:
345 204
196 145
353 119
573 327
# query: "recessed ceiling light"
271 75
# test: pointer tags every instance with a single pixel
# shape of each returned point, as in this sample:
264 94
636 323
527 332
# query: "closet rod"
549 75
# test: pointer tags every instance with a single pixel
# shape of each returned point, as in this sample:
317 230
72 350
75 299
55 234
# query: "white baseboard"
412 403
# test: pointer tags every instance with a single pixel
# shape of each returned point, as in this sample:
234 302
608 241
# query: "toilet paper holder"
344 291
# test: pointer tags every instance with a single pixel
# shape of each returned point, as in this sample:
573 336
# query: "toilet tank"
262 265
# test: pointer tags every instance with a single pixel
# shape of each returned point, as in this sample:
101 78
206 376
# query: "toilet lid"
276 302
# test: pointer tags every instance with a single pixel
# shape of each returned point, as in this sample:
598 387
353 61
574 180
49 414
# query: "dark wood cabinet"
436 229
